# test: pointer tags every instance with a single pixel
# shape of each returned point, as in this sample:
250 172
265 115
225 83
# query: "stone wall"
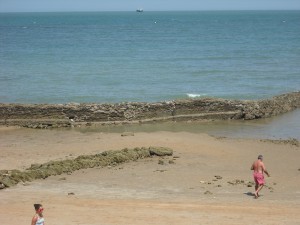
72 114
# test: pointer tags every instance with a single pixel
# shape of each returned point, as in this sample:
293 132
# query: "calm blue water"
150 56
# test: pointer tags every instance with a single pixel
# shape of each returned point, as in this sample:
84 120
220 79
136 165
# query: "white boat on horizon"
140 10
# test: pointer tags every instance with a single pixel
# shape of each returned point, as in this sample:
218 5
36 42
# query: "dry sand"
145 192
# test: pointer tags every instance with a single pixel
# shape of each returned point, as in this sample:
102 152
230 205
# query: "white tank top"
40 221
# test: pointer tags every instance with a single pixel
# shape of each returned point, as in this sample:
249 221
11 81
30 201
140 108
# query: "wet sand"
206 184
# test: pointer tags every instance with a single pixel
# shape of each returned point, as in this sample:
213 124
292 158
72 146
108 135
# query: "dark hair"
37 206
260 157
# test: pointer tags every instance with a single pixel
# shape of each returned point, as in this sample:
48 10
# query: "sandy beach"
206 181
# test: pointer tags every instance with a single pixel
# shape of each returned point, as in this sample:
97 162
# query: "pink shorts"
259 178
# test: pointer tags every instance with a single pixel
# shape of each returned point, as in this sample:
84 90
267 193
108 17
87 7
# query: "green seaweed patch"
9 178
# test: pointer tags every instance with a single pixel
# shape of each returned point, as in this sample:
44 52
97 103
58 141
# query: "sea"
112 57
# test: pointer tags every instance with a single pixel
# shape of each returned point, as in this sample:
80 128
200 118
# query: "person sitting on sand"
259 169
38 218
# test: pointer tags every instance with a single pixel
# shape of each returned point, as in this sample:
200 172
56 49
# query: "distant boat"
139 10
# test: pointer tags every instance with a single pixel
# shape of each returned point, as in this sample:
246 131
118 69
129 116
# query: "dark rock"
161 151
171 162
161 162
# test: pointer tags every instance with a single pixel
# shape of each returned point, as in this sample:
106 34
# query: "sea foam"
193 95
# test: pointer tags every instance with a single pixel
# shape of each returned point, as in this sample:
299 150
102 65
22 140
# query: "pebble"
171 162
161 162
125 134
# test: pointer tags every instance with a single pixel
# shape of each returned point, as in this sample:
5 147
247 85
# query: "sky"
147 5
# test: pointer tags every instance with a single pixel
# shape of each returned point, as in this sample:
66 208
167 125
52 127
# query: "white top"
40 221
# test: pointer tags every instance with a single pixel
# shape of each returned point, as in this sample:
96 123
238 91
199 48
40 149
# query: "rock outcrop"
73 114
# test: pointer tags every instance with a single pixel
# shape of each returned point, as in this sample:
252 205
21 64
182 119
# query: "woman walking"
38 218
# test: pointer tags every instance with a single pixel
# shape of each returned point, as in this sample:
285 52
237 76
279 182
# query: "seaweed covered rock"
10 178
160 151
48 116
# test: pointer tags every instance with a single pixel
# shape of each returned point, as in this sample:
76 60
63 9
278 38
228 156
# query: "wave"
194 95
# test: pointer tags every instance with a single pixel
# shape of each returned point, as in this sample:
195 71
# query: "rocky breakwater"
75 114
10 178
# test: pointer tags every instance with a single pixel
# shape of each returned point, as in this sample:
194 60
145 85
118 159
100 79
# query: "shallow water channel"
285 126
